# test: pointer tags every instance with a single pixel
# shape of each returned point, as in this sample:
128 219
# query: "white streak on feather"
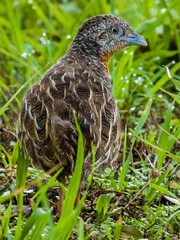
109 134
62 78
54 85
49 94
64 93
115 114
108 155
47 111
26 105
36 123
90 96
36 146
30 113
73 73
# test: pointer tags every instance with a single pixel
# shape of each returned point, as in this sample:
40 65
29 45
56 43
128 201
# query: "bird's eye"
114 29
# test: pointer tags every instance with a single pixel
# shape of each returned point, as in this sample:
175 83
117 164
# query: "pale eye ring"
114 30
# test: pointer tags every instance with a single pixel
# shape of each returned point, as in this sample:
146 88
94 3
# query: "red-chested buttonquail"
79 82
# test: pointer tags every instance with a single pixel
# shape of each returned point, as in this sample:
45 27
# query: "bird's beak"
135 39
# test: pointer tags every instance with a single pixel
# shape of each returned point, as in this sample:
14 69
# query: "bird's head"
104 35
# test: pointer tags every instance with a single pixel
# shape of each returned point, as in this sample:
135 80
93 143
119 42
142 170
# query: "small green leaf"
102 204
162 190
130 231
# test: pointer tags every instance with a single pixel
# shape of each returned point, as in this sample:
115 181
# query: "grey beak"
135 39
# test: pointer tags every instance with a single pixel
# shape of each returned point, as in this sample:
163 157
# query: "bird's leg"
78 197
62 179
61 200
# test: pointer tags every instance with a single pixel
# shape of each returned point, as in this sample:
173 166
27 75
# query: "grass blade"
33 219
136 132
22 166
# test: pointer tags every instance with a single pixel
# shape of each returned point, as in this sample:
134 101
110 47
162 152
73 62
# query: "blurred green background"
34 34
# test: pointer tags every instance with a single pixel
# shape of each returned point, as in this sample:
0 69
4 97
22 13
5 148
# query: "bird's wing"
46 124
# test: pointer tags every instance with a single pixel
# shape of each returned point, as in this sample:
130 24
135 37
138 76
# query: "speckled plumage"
79 82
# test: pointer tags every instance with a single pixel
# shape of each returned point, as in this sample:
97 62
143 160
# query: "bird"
78 83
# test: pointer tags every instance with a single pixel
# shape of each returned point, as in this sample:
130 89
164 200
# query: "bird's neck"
91 55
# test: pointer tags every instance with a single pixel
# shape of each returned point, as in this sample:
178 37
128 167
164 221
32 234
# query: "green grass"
33 35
